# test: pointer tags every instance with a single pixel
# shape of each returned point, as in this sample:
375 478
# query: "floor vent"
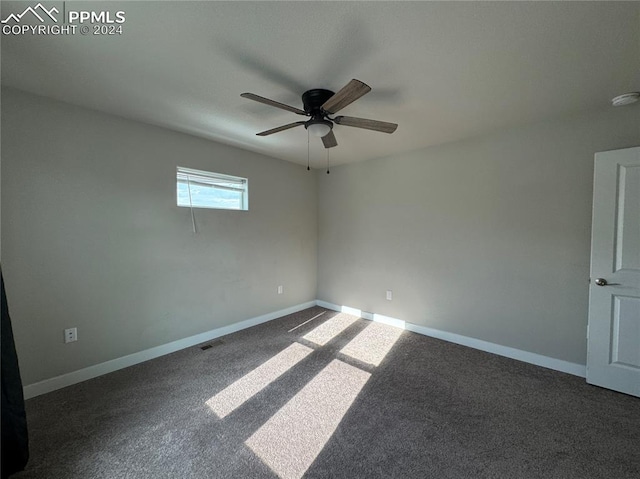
210 345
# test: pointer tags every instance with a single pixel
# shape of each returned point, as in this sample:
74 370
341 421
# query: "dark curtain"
15 442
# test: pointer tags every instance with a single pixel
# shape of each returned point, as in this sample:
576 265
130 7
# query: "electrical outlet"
70 335
280 289
389 295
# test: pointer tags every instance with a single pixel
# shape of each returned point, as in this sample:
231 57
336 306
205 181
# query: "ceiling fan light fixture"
319 128
626 99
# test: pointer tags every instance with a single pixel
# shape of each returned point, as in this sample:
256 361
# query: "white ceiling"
443 71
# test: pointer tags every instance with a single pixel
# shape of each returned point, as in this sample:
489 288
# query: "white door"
613 355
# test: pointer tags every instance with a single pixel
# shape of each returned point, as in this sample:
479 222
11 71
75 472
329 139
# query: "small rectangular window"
204 189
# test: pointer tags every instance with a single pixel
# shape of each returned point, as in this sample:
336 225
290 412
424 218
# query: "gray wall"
487 238
92 236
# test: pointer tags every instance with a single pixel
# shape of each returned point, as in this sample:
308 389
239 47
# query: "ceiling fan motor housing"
314 99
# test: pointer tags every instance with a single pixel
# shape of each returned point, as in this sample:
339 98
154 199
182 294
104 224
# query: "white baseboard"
58 382
518 354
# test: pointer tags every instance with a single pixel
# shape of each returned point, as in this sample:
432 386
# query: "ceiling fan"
319 104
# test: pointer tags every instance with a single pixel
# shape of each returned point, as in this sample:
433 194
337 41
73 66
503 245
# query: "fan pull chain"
308 150
327 161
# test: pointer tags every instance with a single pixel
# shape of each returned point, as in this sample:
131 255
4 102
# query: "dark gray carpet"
430 409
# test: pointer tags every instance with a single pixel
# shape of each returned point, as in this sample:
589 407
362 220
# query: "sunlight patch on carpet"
307 321
293 437
372 344
330 329
233 396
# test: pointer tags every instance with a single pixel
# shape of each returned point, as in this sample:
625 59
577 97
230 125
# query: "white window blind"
204 189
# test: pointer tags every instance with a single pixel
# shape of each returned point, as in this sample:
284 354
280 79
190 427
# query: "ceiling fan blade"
347 95
374 125
277 104
329 140
280 128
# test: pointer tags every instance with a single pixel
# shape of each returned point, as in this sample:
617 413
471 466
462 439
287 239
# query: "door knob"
604 282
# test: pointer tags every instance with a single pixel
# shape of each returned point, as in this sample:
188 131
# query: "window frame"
209 178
